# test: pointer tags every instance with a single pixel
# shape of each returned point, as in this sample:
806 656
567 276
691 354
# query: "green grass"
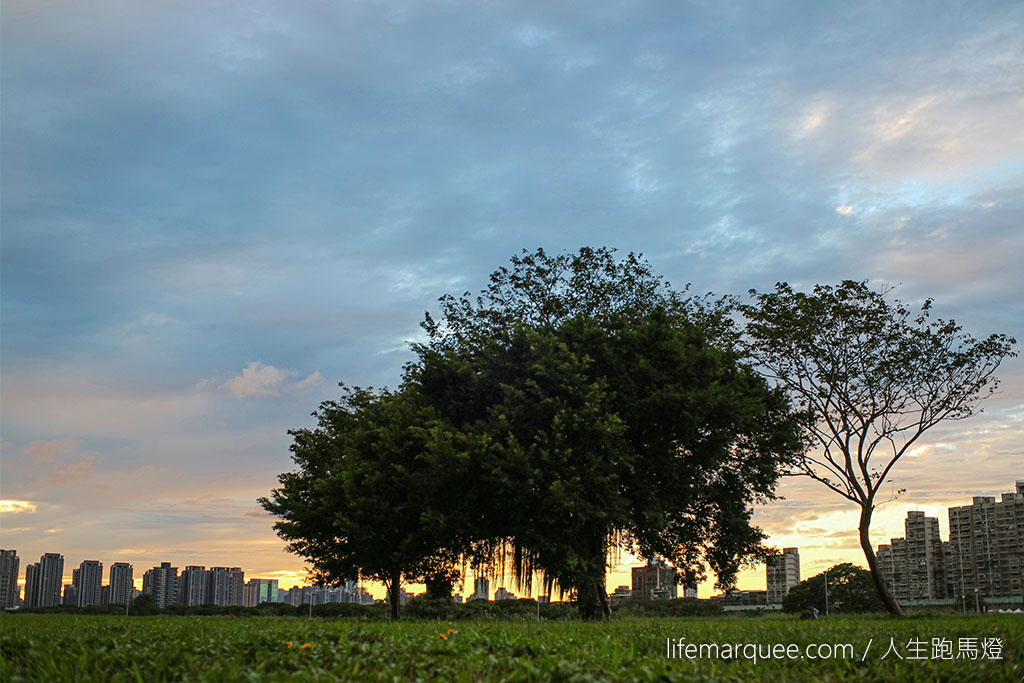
106 648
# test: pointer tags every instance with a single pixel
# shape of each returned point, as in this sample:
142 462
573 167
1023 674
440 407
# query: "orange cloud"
43 451
71 474
16 506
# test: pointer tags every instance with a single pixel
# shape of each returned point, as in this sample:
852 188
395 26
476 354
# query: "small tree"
850 590
143 606
870 378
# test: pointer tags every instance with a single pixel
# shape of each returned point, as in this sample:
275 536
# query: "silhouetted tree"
870 378
598 407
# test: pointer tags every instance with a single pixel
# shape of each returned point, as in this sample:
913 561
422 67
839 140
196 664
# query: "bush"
438 609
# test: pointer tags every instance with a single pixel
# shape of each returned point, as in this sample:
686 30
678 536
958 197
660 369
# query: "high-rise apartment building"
258 591
120 585
88 583
503 594
225 586
9 591
914 566
44 580
782 572
985 553
481 589
162 583
655 581
192 586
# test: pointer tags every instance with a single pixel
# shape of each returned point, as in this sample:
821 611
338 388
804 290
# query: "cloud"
258 379
71 474
43 451
17 506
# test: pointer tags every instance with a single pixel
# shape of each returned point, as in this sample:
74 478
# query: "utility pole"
826 592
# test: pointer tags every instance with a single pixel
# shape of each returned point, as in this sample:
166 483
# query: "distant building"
225 586
192 585
88 583
985 553
655 581
689 591
43 581
162 583
620 594
9 591
502 594
913 566
349 592
782 572
482 589
258 591
120 585
70 593
738 598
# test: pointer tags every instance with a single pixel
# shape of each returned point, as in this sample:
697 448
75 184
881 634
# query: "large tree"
600 408
367 497
870 377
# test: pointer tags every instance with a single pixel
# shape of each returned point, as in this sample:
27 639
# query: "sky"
213 212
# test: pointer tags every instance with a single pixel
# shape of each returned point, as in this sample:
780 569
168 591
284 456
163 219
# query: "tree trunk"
590 588
395 594
869 552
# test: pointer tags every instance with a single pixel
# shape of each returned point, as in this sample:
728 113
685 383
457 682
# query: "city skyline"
779 575
213 215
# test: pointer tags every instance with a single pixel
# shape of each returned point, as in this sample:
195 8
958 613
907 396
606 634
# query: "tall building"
503 594
120 587
88 583
31 587
481 589
9 591
192 586
44 580
258 591
655 581
914 566
985 553
225 586
71 592
782 572
162 583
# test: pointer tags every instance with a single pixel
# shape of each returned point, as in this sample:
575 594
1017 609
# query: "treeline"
420 607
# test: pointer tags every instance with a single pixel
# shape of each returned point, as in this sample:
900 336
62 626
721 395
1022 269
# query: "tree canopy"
870 377
603 410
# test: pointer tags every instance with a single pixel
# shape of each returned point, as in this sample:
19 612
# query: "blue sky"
213 212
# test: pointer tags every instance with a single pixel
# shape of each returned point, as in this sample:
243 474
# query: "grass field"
102 648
